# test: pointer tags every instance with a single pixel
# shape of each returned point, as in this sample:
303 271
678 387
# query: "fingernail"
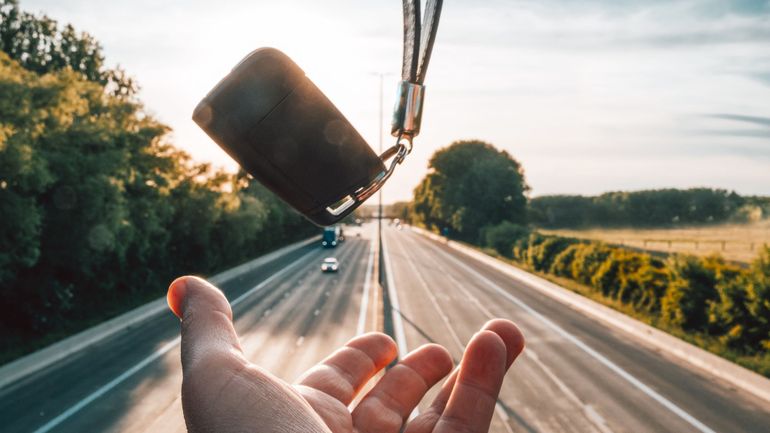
175 295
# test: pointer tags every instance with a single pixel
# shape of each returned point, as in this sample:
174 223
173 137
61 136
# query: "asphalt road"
575 375
286 325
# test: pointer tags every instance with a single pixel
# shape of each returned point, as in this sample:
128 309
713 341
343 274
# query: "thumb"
207 321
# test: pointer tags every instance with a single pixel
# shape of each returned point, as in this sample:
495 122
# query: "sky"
590 96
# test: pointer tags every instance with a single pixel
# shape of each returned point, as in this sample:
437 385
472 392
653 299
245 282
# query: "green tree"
24 172
663 207
98 211
471 185
41 46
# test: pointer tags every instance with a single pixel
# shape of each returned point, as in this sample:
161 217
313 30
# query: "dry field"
738 242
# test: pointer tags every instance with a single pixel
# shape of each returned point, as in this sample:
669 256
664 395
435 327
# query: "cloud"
754 120
762 77
634 93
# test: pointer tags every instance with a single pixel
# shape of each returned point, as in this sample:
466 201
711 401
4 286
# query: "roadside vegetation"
708 301
98 211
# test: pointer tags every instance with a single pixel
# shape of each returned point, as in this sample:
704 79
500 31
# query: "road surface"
286 325
575 375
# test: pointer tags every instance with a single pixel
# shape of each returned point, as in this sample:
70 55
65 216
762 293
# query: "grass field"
737 242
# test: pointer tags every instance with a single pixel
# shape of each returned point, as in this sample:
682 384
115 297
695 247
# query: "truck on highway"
331 237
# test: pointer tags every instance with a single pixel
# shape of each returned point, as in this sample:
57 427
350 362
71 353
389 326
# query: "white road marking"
668 404
365 296
77 407
597 419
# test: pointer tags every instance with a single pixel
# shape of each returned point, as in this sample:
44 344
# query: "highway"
574 376
286 325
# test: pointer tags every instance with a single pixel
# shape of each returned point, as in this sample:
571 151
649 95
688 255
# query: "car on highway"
330 264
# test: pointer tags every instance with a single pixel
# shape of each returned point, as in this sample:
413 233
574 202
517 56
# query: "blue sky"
590 96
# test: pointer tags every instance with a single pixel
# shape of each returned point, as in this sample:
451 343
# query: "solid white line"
365 296
668 404
148 360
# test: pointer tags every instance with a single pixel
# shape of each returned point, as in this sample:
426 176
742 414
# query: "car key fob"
269 117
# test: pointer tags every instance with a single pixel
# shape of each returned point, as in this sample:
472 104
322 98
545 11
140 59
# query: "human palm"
223 392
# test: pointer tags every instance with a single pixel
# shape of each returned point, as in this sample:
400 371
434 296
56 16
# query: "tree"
471 185
40 46
23 172
663 207
98 211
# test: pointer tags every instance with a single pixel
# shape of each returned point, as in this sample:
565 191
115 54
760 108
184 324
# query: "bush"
724 308
502 237
692 289
521 247
562 263
587 260
758 291
541 255
631 278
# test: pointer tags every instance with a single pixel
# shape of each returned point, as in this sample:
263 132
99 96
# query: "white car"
330 264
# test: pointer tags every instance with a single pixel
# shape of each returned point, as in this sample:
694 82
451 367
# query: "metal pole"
379 207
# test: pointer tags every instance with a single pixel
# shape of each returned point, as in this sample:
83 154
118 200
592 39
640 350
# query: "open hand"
223 392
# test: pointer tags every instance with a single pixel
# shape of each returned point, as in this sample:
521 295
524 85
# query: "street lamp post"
382 76
379 195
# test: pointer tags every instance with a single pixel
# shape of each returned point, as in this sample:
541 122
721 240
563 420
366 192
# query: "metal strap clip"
407 113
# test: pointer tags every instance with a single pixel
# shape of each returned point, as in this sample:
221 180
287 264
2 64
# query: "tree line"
98 211
649 208
708 301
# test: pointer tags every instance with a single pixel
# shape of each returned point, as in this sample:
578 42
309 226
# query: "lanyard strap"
419 38
418 45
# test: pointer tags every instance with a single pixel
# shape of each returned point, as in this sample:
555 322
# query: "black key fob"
282 130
